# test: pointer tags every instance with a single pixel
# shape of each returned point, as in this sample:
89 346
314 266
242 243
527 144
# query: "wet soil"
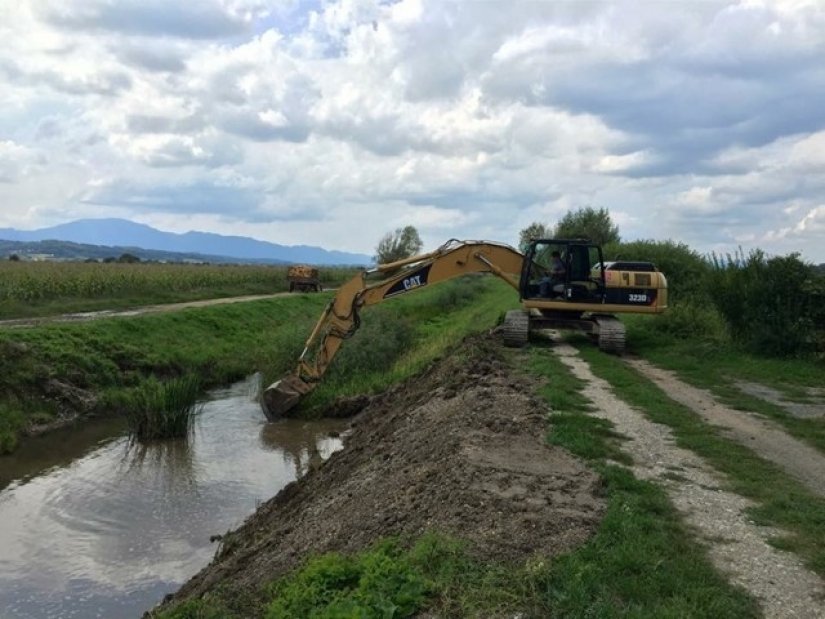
459 450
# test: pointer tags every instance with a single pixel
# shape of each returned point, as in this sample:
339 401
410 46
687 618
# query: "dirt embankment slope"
459 449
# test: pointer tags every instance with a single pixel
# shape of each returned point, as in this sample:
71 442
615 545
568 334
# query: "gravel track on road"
777 579
764 437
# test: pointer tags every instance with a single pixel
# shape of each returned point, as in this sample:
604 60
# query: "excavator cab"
563 271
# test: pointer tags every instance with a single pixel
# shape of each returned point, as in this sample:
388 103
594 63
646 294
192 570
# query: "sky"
330 123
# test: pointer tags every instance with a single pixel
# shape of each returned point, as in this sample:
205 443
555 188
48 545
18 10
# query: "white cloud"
333 124
15 161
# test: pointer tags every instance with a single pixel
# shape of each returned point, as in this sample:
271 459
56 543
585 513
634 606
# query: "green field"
30 289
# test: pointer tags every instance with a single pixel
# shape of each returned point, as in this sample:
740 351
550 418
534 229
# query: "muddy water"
107 530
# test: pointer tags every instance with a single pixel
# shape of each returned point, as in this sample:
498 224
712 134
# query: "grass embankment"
719 365
401 337
781 501
33 289
103 366
643 562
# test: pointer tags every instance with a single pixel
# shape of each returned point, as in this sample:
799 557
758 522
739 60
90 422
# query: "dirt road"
135 311
764 437
740 549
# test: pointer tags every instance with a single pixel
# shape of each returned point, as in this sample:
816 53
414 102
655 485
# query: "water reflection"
110 532
299 443
39 454
173 461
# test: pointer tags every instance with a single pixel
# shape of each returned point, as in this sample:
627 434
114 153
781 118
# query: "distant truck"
303 278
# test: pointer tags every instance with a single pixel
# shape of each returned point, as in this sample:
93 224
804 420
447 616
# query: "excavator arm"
341 318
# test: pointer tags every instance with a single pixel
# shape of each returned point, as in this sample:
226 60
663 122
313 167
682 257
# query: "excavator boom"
341 319
582 293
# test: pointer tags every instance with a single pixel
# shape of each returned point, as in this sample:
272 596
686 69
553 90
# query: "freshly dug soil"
459 449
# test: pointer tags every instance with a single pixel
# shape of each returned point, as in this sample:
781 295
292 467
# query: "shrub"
773 305
461 292
382 582
382 338
11 420
691 319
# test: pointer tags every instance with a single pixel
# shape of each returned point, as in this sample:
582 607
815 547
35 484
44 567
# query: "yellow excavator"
562 284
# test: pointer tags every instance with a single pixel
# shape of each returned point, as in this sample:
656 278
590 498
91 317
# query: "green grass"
572 428
717 367
390 579
403 336
643 562
781 500
630 569
108 361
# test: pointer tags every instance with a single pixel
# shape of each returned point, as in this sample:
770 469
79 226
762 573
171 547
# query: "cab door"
584 283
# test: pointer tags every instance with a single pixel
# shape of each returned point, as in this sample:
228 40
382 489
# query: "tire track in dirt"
765 438
777 579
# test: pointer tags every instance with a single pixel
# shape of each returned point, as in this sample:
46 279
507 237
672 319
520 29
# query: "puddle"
803 410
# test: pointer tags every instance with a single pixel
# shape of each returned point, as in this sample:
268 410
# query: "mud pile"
458 449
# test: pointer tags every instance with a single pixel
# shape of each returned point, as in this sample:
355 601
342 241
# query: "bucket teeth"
283 395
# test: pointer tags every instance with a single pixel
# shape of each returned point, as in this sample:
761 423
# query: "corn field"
32 282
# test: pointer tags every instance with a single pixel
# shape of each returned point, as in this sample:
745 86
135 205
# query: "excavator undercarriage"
604 329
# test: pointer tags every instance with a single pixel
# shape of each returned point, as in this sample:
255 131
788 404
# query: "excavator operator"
552 276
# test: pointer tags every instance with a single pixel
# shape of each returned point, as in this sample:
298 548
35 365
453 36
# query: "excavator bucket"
283 395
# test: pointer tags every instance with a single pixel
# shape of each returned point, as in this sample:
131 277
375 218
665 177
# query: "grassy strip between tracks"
101 367
718 367
781 501
641 563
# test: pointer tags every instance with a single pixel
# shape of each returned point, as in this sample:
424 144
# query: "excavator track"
516 328
611 334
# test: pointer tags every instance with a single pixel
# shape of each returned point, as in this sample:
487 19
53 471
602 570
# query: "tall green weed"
383 582
11 421
163 409
774 306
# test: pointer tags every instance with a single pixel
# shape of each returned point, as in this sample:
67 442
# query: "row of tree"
587 223
772 305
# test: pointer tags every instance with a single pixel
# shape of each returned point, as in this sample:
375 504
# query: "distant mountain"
123 233
66 250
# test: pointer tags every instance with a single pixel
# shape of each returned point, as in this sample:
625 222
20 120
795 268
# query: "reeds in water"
164 409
